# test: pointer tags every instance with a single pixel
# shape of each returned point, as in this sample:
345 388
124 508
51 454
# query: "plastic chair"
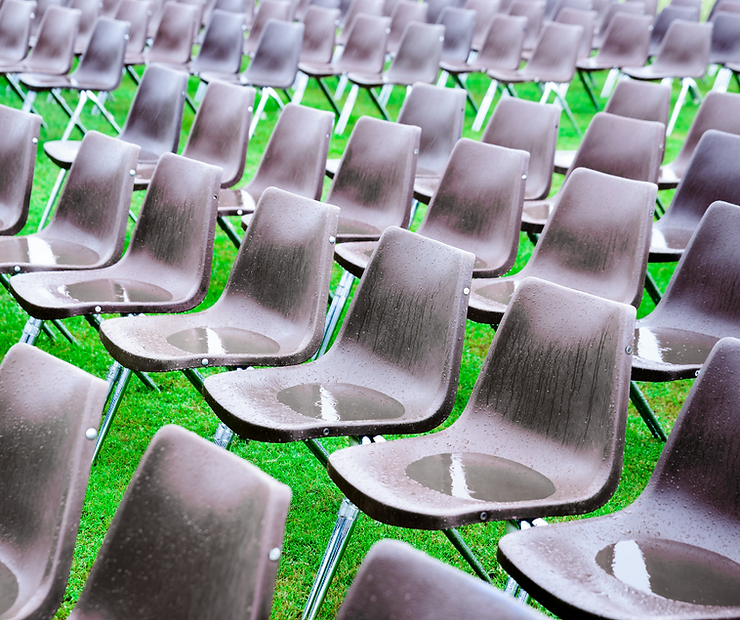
137 13
15 29
49 413
643 101
89 10
20 133
383 373
319 36
404 13
458 35
88 229
293 160
626 43
616 145
663 21
710 176
364 52
725 49
612 9
395 581
100 69
190 505
534 11
485 12
38 16
553 63
357 7
268 9
584 18
533 440
417 60
477 208
173 41
657 557
221 50
684 54
596 241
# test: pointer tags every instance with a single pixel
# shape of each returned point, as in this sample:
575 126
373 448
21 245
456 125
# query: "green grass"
315 499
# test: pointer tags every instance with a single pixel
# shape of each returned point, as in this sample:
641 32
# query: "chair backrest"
732 6
54 50
622 146
102 62
665 18
597 238
534 11
504 42
684 51
711 175
89 10
440 113
320 34
725 38
221 50
295 156
173 43
485 11
458 37
214 516
368 7
15 29
405 12
109 8
93 208
612 8
644 101
46 408
587 21
366 45
38 14
137 13
220 132
719 111
702 295
284 268
395 581
437 6
555 53
532 127
175 230
275 60
478 205
374 182
418 55
399 288
20 132
268 9
155 116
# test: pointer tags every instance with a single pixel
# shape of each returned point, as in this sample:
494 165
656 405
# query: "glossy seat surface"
272 311
46 408
167 265
20 132
674 552
477 208
596 241
393 367
191 505
710 176
542 433
88 228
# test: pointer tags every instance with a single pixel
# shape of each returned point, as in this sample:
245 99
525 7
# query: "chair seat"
668 178
8 588
508 77
63 153
424 188
651 73
355 256
668 243
40 253
235 202
319 70
668 353
368 80
331 167
355 230
593 64
40 81
563 161
230 78
536 213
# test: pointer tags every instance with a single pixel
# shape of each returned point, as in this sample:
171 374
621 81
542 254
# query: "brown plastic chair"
38 16
664 19
216 518
710 176
553 63
173 42
417 60
725 49
89 10
596 241
634 99
397 582
458 36
137 13
626 43
88 229
485 12
167 265
533 440
357 7
221 50
684 54
477 208
612 9
616 145
364 52
501 49
49 413
534 11
660 557
15 29
20 133
268 9
403 14
584 18
731 6
319 36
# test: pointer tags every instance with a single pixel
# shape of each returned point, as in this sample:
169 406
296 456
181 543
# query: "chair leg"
458 80
485 105
341 294
31 331
299 87
329 98
643 408
379 103
589 90
558 89
454 537
229 230
651 286
511 585
685 85
74 116
385 93
341 86
345 524
52 198
118 380
64 331
349 104
98 102
722 81
611 80
264 96
28 101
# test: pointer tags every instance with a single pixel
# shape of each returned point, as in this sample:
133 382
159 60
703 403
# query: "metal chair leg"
64 331
646 413
118 380
485 105
379 104
458 80
31 331
341 294
652 289
229 230
454 537
349 104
